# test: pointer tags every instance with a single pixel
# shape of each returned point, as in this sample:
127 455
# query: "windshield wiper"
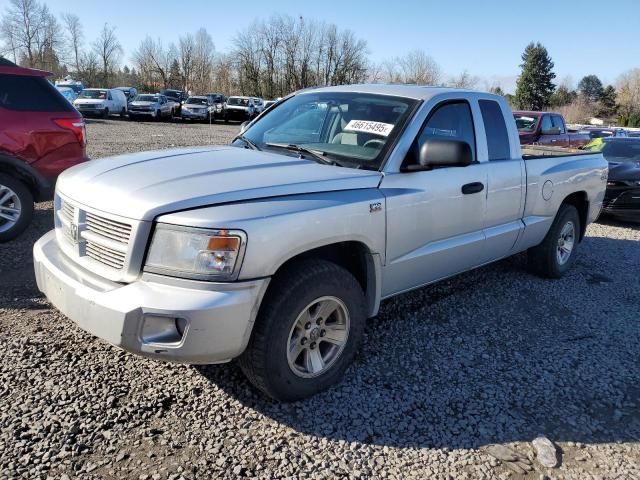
315 155
247 142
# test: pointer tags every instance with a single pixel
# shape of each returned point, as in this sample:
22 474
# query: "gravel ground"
495 356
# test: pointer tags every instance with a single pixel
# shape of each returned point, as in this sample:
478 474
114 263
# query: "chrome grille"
105 255
112 229
93 237
67 210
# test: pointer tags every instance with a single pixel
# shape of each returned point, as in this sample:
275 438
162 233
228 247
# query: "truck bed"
533 152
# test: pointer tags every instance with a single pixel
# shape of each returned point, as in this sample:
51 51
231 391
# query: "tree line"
274 57
590 98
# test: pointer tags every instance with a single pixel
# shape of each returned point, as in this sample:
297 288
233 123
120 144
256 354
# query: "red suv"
41 134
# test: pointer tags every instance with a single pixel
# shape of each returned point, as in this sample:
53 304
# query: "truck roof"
416 92
534 113
7 67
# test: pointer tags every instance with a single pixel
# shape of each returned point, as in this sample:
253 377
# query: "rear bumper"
146 317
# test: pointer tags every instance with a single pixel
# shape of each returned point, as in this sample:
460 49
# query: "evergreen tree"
175 77
607 107
562 96
590 87
535 84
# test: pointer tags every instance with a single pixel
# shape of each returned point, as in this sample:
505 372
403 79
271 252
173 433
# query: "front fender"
280 228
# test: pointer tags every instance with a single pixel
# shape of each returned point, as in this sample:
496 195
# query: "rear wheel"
16 207
308 331
557 252
123 112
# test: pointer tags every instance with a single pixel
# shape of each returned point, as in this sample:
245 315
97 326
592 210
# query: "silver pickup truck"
276 249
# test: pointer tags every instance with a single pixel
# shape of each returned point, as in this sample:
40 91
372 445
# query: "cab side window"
452 121
558 123
495 129
546 123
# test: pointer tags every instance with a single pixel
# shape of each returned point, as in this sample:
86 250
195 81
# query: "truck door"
435 218
563 135
505 190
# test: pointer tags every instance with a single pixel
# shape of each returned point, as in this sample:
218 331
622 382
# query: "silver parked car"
148 105
198 108
276 250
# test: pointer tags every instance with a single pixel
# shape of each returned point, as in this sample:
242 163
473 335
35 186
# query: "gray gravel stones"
495 356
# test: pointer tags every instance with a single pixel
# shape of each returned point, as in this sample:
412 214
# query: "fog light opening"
181 326
157 329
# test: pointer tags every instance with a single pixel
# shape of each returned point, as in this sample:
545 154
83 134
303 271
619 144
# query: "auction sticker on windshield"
378 128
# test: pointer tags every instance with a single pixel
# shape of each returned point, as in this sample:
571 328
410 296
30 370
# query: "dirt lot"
496 356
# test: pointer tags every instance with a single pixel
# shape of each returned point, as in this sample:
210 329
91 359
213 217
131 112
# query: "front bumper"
623 203
141 317
196 115
147 113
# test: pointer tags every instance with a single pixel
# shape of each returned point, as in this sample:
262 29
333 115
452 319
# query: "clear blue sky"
484 37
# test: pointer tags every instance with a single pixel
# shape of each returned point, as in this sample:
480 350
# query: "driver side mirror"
244 125
437 152
551 131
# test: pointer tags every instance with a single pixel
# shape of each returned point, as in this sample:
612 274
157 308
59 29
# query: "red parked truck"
547 128
41 135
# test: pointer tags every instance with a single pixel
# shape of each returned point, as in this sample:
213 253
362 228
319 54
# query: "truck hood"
88 101
144 185
140 103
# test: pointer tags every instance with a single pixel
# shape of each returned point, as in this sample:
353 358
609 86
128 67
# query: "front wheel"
557 252
307 332
105 113
16 207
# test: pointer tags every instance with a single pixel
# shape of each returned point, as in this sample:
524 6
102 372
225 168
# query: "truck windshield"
526 123
238 101
95 94
352 129
146 98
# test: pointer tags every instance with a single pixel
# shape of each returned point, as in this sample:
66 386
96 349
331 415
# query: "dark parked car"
177 97
42 134
547 128
622 199
602 132
218 101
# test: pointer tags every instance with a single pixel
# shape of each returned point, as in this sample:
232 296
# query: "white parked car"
101 102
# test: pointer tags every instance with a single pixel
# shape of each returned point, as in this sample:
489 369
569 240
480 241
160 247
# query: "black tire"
158 115
123 112
265 362
543 259
26 211
105 113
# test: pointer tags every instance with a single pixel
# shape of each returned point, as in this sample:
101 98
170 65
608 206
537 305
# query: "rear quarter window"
31 94
495 129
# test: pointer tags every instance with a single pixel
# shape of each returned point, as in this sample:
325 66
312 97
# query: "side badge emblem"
375 207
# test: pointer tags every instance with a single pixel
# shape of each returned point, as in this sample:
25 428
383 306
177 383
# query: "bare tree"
203 58
108 49
22 29
186 47
628 93
284 54
154 62
74 37
418 67
464 80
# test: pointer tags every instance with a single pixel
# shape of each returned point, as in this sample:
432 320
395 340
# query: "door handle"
473 187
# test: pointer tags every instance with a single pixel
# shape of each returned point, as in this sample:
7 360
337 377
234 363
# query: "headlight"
196 253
